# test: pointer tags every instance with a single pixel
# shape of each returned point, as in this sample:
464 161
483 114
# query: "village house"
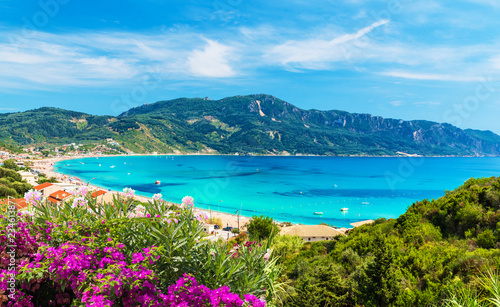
208 228
47 188
311 233
29 177
58 196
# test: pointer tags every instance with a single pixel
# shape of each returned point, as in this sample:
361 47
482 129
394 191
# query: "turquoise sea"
286 188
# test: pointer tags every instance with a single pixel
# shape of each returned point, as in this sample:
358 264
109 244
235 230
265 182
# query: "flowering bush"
79 202
186 289
128 192
128 253
80 191
33 197
18 243
188 201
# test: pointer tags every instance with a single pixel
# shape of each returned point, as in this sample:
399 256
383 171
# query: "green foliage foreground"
423 258
173 231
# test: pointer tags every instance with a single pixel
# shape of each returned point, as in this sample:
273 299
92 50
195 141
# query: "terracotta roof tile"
52 199
43 186
20 202
60 195
98 193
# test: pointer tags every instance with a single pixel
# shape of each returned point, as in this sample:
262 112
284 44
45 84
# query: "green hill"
260 124
436 247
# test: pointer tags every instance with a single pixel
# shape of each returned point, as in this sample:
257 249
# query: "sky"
435 60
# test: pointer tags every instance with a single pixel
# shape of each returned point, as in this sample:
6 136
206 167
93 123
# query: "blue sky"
426 59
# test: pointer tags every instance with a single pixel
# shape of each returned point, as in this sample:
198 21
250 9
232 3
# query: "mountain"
260 124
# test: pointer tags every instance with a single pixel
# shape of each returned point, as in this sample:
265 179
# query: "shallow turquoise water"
287 188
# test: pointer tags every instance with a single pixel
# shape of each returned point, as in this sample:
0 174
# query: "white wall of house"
29 177
208 228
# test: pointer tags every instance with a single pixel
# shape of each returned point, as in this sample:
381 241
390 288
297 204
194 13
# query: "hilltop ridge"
257 124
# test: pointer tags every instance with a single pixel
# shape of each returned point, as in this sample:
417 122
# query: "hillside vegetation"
436 248
260 124
12 184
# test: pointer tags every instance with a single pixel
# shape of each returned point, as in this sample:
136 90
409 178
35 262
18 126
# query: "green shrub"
486 239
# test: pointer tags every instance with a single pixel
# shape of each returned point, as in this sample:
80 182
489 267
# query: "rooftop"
59 195
98 193
20 202
42 186
310 231
357 224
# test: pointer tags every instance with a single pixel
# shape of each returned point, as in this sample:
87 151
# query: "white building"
208 228
29 177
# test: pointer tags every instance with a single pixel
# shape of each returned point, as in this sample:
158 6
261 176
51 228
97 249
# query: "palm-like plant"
466 297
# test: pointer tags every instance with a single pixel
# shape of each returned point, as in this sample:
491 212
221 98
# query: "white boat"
344 209
157 182
112 166
365 203
318 213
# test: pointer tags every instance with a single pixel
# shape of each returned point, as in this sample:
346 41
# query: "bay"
287 188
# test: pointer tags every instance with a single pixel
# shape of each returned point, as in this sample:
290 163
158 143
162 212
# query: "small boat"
318 213
157 182
365 203
112 166
344 209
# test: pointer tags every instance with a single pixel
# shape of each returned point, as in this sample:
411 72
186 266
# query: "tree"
8 173
486 239
261 228
10 164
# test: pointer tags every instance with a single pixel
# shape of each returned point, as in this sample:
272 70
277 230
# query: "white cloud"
315 53
396 103
212 61
427 103
494 3
496 62
106 58
431 77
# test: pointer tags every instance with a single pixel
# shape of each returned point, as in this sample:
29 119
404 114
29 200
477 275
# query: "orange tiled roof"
60 195
43 186
20 202
52 199
98 193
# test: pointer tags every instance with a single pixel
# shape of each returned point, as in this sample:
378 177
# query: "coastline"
47 166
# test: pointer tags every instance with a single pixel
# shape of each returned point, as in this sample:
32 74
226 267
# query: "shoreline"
47 166
400 155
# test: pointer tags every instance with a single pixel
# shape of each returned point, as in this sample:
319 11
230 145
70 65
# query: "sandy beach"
46 166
